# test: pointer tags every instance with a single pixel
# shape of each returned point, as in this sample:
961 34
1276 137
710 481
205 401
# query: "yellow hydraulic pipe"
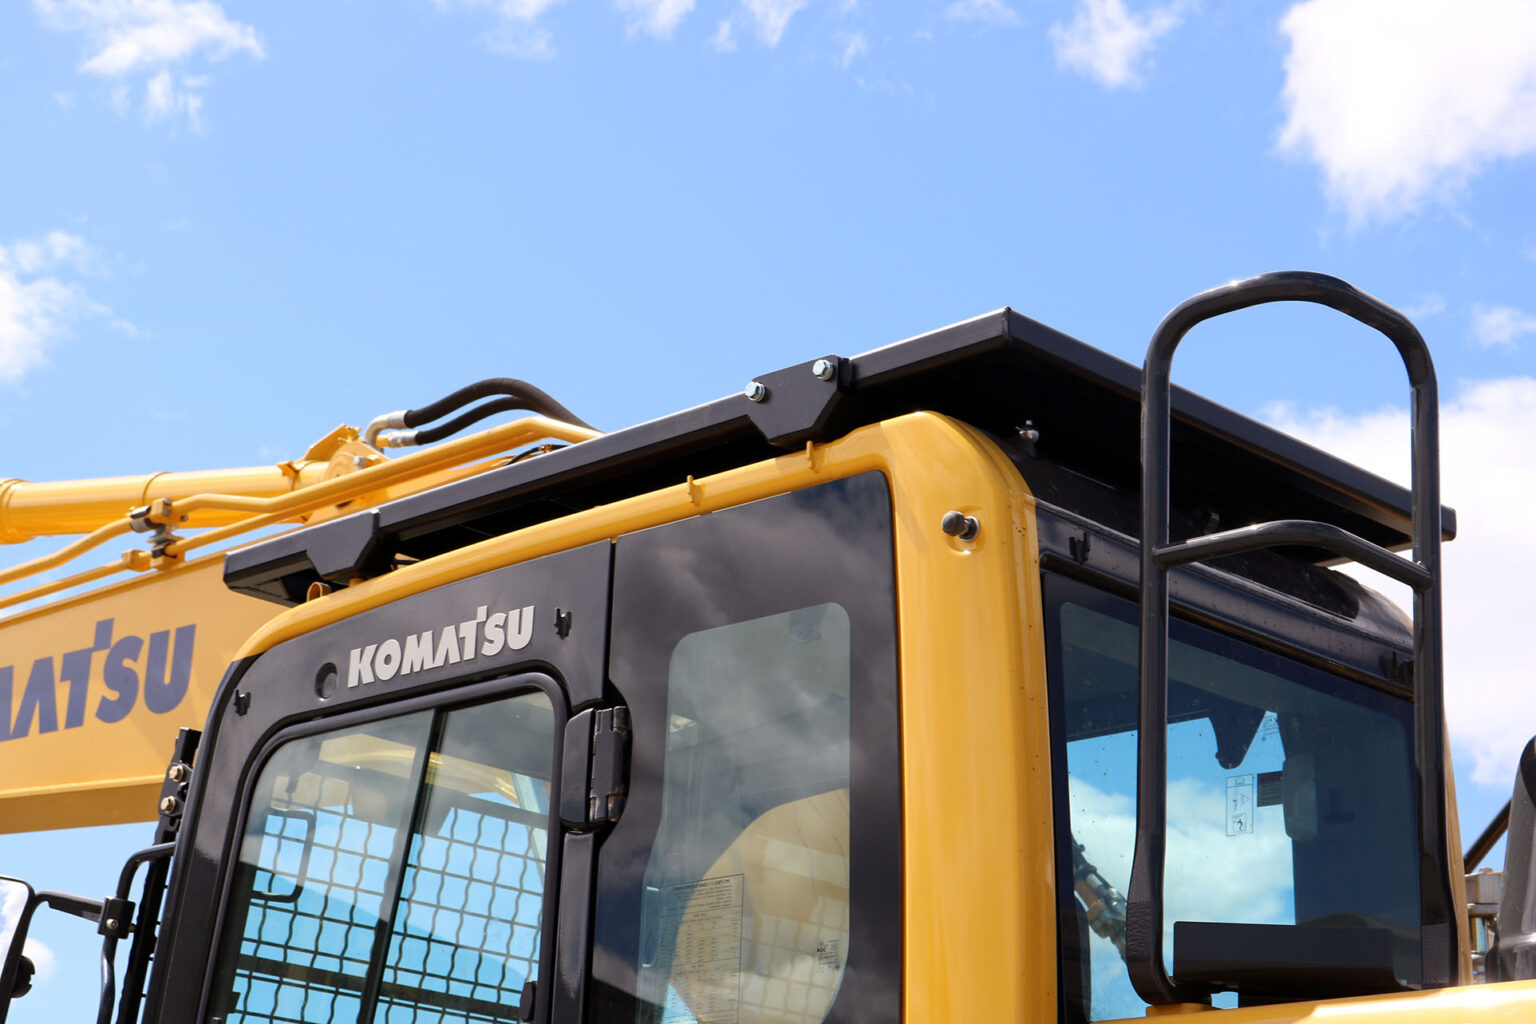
54 587
29 510
236 513
256 514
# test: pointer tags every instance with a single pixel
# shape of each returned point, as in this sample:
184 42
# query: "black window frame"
440 703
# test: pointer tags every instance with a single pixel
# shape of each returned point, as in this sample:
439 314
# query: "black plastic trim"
1264 962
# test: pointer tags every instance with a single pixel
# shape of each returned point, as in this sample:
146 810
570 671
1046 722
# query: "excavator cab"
977 677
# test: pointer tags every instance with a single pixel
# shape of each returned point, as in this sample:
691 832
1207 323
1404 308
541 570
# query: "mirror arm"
69 903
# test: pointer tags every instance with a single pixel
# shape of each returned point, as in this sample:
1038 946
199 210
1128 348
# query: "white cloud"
1500 326
660 18
528 42
987 12
855 48
163 99
130 37
724 39
1487 569
516 32
1427 305
28 256
37 307
1107 42
1401 102
772 17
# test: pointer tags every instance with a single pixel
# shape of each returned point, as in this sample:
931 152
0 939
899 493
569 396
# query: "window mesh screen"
388 885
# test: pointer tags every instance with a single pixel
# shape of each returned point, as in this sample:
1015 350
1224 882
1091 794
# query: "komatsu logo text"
482 636
131 669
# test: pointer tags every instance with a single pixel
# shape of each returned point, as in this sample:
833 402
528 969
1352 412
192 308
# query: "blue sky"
226 227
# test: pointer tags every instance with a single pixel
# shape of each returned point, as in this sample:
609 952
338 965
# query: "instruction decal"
706 963
1240 805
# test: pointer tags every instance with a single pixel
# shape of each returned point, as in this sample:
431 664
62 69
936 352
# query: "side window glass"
754 876
394 871
756 778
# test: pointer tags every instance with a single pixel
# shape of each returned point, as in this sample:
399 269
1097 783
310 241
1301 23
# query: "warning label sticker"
1240 805
706 962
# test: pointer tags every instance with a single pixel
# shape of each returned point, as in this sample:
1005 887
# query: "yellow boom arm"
95 685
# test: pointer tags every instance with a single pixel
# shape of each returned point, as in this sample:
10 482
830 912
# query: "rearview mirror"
17 902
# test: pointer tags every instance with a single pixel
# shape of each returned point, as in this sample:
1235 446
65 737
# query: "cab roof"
1000 372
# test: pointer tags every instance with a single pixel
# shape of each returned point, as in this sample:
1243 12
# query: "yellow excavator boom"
95 684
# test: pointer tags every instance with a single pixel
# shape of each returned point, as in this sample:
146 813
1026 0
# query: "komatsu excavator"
979 677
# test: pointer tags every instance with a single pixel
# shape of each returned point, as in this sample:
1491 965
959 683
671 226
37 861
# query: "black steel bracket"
796 404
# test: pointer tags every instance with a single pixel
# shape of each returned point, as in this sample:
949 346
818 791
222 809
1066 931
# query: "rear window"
1290 794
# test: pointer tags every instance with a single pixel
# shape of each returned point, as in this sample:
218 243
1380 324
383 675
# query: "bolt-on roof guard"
1144 918
998 372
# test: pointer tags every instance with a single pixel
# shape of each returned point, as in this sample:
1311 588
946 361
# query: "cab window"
754 877
394 870
1290 795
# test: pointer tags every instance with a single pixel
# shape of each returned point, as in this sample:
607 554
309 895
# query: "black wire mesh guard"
465 936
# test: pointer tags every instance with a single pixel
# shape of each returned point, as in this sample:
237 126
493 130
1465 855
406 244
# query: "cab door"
754 876
374 829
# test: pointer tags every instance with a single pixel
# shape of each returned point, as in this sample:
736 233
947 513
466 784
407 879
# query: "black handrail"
1144 911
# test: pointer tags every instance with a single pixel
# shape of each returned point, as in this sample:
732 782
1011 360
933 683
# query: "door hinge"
610 763
593 781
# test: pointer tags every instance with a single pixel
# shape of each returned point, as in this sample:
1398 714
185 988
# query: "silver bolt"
111 924
756 391
959 525
1028 432
824 369
170 806
177 772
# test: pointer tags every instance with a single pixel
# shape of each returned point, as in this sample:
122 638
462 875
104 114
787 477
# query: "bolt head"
756 391
177 772
111 924
824 369
170 805
959 525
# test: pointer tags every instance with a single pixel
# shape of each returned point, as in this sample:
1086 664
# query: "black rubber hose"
526 395
434 434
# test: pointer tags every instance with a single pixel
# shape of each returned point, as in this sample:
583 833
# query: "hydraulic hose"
517 394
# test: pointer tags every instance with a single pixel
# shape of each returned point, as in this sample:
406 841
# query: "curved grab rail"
1144 912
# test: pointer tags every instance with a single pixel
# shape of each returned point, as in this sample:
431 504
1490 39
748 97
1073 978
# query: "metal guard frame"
1144 916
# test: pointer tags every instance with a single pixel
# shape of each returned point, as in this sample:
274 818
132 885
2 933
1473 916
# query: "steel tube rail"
1144 924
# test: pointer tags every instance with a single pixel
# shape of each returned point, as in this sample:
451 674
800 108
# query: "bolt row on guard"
978 677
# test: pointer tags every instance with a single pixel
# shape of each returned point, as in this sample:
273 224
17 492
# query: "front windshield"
1290 794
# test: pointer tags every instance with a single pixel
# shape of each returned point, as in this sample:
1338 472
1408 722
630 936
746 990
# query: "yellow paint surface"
65 762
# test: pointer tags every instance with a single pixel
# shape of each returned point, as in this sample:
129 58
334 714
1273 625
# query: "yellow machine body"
97 684
97 687
979 873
